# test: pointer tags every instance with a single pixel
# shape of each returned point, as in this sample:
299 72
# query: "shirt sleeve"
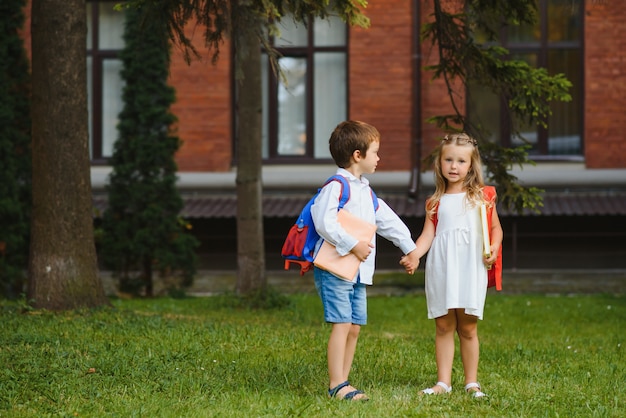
392 228
324 214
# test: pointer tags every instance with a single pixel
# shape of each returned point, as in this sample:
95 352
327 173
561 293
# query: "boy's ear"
356 155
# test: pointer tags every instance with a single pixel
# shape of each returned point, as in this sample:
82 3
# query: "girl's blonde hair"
473 183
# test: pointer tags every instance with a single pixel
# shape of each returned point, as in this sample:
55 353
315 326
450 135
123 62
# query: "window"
105 29
554 43
299 115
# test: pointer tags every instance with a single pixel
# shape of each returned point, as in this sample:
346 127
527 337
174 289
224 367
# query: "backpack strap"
489 193
375 200
345 191
435 219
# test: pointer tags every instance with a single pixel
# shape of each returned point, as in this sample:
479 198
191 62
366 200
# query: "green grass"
540 357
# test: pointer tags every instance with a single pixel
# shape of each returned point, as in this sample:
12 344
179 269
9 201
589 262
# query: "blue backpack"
299 246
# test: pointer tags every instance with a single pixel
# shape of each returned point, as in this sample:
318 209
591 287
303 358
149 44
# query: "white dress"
456 276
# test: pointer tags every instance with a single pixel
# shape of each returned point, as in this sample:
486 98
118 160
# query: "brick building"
375 75
382 87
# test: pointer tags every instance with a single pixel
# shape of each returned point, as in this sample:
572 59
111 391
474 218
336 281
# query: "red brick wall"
203 105
380 80
381 84
203 108
435 95
605 84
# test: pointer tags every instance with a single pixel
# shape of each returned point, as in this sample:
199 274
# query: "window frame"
542 49
307 52
98 58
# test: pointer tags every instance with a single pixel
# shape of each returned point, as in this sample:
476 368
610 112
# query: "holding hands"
410 262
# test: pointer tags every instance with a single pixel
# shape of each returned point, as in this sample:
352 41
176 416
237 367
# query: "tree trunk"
63 271
251 276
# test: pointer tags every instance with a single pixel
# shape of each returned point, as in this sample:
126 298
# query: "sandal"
350 396
430 391
478 393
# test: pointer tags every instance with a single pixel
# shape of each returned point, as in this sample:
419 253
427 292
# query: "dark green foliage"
225 19
249 26
527 91
142 231
15 151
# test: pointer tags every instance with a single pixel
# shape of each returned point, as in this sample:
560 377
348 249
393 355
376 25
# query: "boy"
354 147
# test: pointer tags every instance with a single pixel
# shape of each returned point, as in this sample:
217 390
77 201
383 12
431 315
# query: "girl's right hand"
489 261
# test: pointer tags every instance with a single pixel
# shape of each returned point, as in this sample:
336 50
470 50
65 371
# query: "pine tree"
142 230
248 25
15 171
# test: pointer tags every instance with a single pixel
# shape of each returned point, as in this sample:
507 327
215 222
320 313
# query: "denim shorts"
343 301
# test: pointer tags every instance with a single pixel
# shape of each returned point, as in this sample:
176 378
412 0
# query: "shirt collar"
363 180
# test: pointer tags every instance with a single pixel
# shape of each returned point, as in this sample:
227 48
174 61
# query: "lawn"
541 356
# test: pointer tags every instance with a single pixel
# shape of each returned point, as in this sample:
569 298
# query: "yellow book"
344 267
486 241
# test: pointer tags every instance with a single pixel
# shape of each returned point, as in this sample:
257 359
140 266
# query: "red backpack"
494 274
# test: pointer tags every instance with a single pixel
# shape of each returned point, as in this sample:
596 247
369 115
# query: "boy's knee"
355 330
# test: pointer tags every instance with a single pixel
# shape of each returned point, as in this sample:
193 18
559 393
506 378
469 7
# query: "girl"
456 269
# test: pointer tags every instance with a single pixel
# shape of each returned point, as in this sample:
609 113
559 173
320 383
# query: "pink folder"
344 267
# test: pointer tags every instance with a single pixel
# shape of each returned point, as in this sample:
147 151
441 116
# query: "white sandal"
430 391
475 393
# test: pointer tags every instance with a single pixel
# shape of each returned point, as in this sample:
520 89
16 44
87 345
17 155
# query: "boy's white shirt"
390 226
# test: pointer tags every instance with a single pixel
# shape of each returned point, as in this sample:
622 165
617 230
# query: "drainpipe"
416 120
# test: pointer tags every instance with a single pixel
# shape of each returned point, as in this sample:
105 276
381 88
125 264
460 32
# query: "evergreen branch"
527 91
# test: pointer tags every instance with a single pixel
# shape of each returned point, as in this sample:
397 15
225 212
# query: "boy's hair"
349 136
473 183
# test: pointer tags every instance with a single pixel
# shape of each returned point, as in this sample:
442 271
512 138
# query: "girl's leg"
468 337
444 348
